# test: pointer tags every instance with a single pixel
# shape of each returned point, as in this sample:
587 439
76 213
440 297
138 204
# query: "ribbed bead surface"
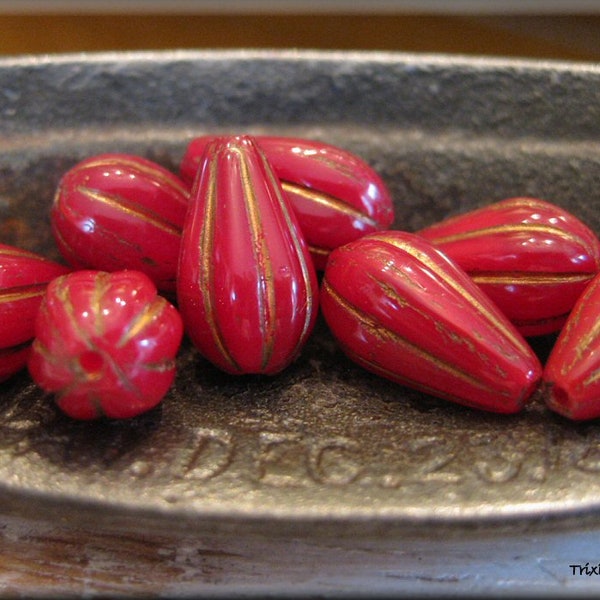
336 196
530 256
119 211
105 344
24 277
247 288
572 372
401 309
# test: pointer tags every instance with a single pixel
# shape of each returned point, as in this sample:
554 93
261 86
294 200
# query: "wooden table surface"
573 37
49 558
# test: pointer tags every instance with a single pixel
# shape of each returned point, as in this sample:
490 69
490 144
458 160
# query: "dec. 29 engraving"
274 453
289 458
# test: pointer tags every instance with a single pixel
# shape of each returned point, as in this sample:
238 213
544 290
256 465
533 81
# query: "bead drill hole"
92 363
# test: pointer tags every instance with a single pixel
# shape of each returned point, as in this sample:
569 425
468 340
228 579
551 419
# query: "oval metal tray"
324 441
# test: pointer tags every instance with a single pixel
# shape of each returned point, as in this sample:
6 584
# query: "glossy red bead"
336 196
400 308
120 211
24 276
530 256
571 380
105 344
247 289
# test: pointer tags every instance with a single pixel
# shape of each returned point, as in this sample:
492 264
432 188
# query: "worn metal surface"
323 442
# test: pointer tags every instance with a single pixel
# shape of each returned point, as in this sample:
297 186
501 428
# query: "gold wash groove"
390 292
529 278
59 237
48 356
147 170
586 340
302 258
423 258
410 347
101 287
14 294
142 320
408 382
335 165
583 345
162 366
206 282
328 201
508 228
396 270
266 299
593 378
137 211
62 294
518 202
317 251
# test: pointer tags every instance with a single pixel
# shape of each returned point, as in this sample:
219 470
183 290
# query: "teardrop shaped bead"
246 286
400 308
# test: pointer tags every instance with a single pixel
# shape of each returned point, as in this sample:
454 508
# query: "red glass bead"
571 380
105 344
24 276
119 211
530 256
336 196
400 308
247 289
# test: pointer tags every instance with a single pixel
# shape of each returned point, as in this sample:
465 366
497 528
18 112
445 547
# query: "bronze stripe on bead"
266 298
168 364
152 172
99 291
510 228
593 378
335 165
518 202
126 382
407 346
530 278
391 293
63 296
145 317
206 279
408 382
317 251
397 271
497 207
130 208
329 201
588 337
516 340
299 251
48 356
16 294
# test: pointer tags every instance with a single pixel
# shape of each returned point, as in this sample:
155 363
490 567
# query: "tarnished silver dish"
324 446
